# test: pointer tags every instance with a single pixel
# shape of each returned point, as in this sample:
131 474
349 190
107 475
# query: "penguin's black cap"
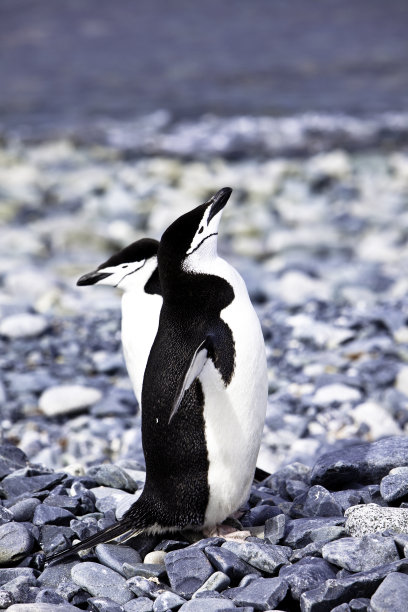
177 238
137 251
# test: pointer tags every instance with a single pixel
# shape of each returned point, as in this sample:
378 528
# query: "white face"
130 275
203 247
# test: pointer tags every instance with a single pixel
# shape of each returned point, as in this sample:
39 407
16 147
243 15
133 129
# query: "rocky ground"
321 241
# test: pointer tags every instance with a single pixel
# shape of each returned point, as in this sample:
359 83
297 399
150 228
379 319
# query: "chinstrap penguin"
134 271
205 387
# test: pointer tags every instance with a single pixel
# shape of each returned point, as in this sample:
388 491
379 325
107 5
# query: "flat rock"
262 593
299 532
361 554
15 485
392 594
263 556
341 590
112 476
11 459
15 542
207 605
371 518
45 514
115 556
65 399
227 562
23 325
306 574
362 463
101 581
395 485
141 604
187 570
168 601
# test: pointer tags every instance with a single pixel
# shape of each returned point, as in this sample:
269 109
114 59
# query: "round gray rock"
15 542
101 581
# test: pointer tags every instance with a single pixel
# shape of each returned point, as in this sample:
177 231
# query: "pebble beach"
318 230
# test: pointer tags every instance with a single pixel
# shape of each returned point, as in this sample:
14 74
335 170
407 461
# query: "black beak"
218 201
92 277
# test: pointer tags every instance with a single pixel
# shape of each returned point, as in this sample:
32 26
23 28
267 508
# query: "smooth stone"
11 459
114 556
104 604
227 562
112 476
216 582
23 325
168 601
335 393
207 605
361 554
299 532
101 581
262 593
24 509
275 529
42 607
45 515
65 399
156 557
360 604
141 604
306 574
187 570
15 542
392 594
395 485
362 463
57 574
341 590
371 518
263 556
144 587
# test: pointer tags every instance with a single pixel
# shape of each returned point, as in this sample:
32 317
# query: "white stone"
401 383
371 518
23 325
377 419
65 399
336 392
156 556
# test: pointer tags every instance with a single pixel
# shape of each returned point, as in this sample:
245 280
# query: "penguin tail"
126 527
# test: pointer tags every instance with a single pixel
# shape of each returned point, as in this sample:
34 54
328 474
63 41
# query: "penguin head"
130 268
192 238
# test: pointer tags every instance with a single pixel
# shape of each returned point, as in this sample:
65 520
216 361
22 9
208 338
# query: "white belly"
140 320
235 415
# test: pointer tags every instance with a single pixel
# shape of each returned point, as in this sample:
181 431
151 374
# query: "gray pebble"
230 564
141 604
207 605
11 459
319 502
167 601
299 532
15 542
394 486
104 604
187 570
112 476
7 574
101 581
307 574
361 554
45 515
262 593
143 587
216 582
42 607
115 556
392 594
24 509
147 570
263 556
49 596
275 528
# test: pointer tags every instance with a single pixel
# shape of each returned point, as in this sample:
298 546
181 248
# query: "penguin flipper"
192 371
124 527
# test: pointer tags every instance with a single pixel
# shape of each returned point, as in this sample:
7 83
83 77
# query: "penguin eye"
200 230
125 266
